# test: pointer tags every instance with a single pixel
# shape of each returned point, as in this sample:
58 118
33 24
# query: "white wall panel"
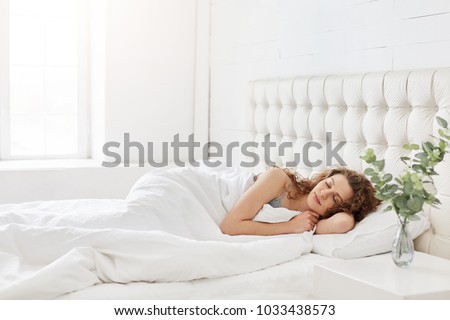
422 55
404 9
421 30
301 45
354 61
317 37
299 18
236 22
336 14
256 52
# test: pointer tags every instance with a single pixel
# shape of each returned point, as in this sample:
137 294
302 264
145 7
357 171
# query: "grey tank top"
276 202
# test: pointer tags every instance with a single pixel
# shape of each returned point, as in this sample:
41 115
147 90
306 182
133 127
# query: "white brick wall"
253 39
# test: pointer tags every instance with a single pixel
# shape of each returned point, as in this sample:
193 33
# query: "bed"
382 110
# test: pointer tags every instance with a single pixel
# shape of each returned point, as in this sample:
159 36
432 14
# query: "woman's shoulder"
275 175
276 171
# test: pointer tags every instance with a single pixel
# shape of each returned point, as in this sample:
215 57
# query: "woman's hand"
305 221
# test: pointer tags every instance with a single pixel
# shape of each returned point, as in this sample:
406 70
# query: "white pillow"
373 235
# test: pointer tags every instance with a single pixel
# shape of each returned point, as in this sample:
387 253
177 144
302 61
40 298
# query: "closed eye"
337 199
329 187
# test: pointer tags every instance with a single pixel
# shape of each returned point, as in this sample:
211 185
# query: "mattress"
289 280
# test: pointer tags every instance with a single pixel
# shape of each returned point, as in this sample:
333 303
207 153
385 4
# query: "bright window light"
44 115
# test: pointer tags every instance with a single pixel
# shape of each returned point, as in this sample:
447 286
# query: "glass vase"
403 246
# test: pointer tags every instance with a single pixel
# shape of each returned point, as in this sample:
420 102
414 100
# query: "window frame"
82 87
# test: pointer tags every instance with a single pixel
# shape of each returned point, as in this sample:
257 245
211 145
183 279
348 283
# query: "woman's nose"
325 193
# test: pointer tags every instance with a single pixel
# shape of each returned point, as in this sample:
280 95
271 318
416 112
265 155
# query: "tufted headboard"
382 110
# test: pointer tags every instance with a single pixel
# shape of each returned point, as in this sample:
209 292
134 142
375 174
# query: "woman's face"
329 193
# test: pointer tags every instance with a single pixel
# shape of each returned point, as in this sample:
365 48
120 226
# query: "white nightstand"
377 277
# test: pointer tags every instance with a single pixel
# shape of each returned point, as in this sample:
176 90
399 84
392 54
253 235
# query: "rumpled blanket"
167 229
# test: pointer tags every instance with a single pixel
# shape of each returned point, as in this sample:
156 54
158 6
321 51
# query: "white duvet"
166 230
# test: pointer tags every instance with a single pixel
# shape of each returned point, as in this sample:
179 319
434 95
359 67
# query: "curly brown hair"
360 205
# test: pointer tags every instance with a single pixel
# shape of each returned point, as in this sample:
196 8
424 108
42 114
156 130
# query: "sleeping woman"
333 202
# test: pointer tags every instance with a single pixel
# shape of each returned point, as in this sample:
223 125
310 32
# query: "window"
43 84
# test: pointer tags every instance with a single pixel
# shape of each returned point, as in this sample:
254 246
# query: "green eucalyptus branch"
408 193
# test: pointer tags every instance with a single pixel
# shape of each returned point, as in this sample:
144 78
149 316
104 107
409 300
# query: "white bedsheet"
166 230
286 281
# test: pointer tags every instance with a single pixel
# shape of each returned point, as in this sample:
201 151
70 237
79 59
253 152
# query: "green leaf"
427 147
415 204
421 155
425 162
379 165
442 122
414 177
381 196
400 201
413 217
411 146
442 145
418 185
408 187
387 177
368 155
392 188
369 171
404 212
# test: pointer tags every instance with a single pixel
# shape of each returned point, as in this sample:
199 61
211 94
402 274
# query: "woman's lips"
317 199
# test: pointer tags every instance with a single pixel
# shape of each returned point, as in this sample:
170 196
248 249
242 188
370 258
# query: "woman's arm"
269 185
340 222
